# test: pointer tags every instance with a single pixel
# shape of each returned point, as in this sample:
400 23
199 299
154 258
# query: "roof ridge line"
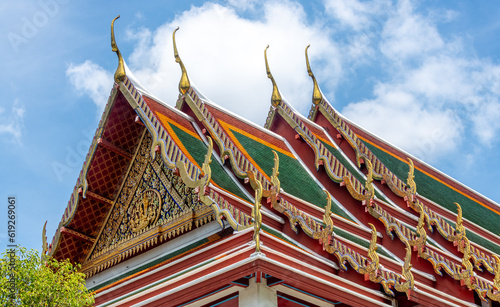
226 146
380 170
424 163
229 112
322 154
343 128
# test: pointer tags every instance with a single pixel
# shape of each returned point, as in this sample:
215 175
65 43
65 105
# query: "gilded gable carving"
153 201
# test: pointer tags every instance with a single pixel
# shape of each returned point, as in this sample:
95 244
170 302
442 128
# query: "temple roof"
329 189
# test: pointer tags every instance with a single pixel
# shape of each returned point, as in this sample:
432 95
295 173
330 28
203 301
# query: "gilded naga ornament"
275 182
496 280
410 182
206 174
327 218
419 243
373 267
201 186
459 228
494 292
325 235
370 191
408 283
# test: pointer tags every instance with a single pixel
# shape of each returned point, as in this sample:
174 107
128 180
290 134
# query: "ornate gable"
152 206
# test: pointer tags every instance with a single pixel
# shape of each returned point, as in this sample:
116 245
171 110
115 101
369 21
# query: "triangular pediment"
153 205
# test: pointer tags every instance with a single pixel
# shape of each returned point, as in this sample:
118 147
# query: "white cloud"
12 124
486 121
357 26
441 78
355 14
447 92
433 95
224 56
470 87
92 80
243 4
407 34
429 91
401 119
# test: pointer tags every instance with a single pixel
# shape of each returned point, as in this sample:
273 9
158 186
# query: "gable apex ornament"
120 70
184 83
276 96
317 97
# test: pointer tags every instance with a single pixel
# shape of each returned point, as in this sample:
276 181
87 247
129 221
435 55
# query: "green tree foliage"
26 279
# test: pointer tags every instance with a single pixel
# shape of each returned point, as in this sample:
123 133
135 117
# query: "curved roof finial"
276 97
317 96
120 70
44 239
184 84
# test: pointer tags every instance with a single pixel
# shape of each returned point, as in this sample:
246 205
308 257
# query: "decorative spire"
184 84
317 96
276 97
120 70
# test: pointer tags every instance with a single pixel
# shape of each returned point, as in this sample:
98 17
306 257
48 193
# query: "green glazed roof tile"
198 150
294 178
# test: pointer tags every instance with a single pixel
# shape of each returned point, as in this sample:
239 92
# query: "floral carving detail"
146 211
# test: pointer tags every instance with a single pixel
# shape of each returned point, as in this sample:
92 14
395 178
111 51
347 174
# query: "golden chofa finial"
276 97
184 84
317 96
120 70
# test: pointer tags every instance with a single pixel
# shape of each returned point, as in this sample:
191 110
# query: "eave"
234 261
93 195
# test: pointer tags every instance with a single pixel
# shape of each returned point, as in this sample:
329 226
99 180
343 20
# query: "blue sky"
424 75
